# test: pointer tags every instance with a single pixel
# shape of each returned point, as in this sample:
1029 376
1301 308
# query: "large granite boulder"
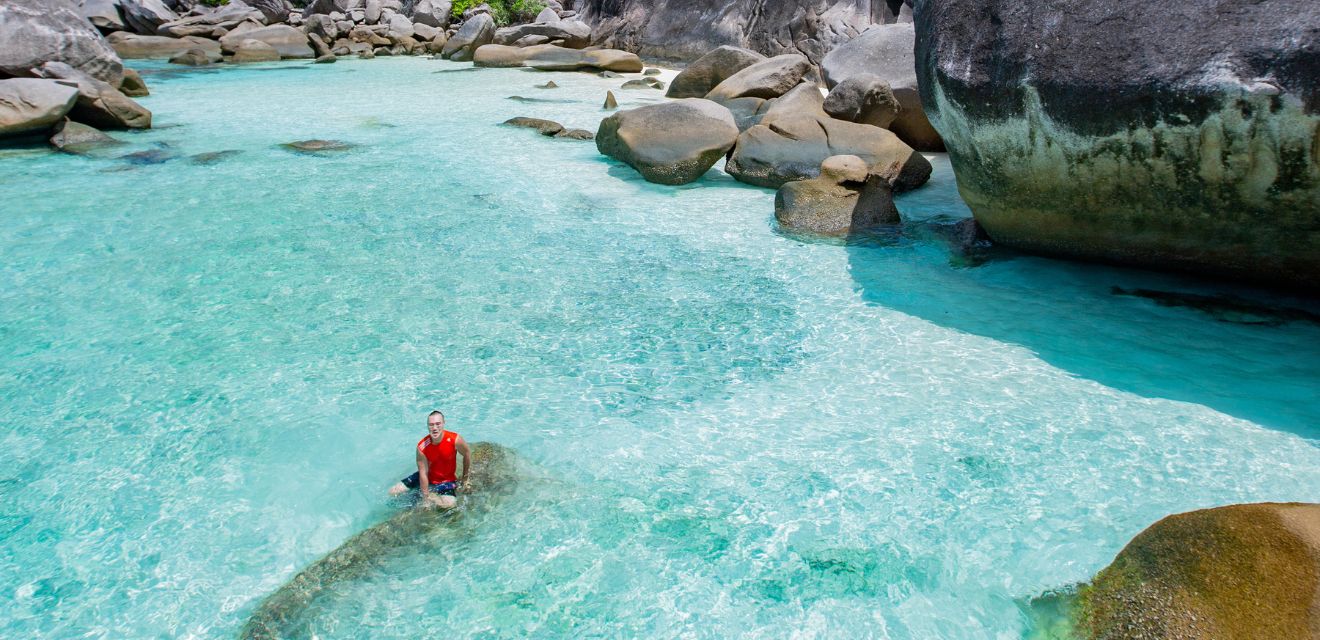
326 7
250 50
227 17
133 46
475 32
1176 135
274 11
33 32
553 58
433 13
30 105
687 30
290 42
669 143
575 34
864 98
104 15
1245 572
792 147
144 16
499 55
99 104
886 51
709 70
766 79
844 200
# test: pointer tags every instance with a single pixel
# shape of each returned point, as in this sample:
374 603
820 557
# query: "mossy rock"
1240 572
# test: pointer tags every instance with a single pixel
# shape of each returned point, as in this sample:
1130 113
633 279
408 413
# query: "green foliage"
503 11
214 3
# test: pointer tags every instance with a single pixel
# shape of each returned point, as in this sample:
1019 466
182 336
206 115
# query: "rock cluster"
781 131
847 198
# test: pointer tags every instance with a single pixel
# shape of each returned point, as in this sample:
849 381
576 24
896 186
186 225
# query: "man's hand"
432 500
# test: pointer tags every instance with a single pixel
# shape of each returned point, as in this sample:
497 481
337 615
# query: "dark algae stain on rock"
1241 572
1102 132
1225 308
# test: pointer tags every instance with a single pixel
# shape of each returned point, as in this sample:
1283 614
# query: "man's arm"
461 445
423 468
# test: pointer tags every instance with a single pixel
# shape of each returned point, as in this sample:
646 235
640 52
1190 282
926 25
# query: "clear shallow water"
211 373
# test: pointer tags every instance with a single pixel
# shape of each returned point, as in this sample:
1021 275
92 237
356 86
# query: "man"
435 477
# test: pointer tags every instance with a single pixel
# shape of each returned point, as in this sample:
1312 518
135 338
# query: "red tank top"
440 458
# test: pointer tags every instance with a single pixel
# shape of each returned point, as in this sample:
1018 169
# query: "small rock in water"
609 74
549 85
192 58
212 157
610 102
327 59
77 138
317 146
523 99
643 83
651 71
366 55
576 134
545 127
150 156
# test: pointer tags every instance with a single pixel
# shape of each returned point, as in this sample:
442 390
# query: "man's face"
436 424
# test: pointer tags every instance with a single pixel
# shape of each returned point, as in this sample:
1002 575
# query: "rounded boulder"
669 143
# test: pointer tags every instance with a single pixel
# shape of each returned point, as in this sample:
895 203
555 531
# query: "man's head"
435 423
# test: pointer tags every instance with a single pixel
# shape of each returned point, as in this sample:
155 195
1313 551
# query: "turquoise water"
212 372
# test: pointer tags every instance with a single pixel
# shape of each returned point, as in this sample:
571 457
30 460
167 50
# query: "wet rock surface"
1175 136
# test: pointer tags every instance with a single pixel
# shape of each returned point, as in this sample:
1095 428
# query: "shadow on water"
1245 352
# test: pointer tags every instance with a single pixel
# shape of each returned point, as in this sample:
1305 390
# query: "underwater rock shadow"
1248 353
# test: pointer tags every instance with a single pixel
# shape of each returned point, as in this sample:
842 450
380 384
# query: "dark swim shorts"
444 488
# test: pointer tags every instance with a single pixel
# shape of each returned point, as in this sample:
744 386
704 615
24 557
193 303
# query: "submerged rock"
708 71
1166 135
576 134
29 105
845 199
1248 571
149 157
317 146
77 138
34 32
669 143
213 157
544 127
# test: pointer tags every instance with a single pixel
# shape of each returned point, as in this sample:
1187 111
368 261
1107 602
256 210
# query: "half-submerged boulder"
78 139
475 32
886 51
708 71
1167 135
31 105
99 104
34 32
553 58
845 199
1245 572
669 143
792 147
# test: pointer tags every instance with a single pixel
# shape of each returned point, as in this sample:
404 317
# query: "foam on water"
212 372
